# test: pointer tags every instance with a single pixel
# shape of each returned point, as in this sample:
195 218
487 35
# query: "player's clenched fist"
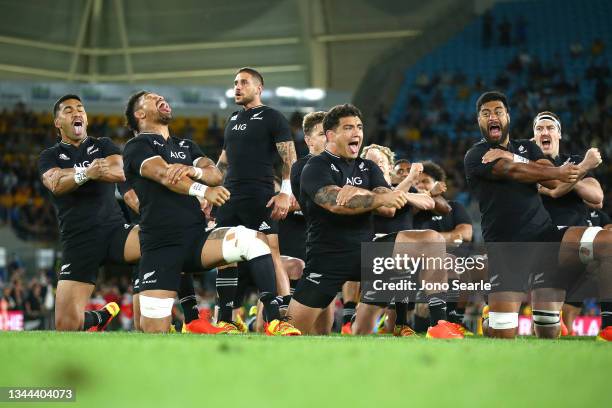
395 199
97 169
569 173
217 195
592 158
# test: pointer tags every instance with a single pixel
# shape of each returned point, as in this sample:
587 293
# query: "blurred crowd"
433 128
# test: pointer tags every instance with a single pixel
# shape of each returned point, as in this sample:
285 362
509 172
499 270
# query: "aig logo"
82 165
354 181
239 127
177 155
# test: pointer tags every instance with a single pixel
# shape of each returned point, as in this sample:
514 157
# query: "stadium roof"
324 43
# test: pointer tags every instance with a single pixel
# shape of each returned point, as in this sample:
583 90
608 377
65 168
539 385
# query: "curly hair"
388 153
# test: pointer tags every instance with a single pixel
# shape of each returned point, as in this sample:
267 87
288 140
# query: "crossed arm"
61 181
180 178
556 181
351 200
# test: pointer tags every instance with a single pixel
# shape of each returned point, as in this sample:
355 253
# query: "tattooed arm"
286 150
363 202
281 202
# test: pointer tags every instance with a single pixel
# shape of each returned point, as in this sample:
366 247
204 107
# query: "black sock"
452 296
420 324
348 312
95 318
606 314
262 273
401 311
227 284
437 308
187 298
286 300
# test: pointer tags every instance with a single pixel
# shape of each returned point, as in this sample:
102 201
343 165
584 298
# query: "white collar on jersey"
70 144
331 154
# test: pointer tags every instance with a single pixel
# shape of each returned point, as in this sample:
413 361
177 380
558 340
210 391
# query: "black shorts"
524 266
160 267
322 280
292 236
250 212
135 280
84 253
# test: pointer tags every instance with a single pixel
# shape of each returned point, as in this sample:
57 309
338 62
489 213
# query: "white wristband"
80 177
519 159
197 190
286 187
199 173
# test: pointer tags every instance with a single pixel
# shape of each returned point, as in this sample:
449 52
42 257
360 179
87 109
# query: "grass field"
137 370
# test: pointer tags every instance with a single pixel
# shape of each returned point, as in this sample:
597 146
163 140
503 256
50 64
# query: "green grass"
137 370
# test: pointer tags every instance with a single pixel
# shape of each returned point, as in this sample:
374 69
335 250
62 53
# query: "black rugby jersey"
329 233
164 214
568 210
250 145
598 218
442 223
91 204
511 211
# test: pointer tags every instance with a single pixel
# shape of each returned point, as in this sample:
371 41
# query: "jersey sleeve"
315 176
296 171
474 167
136 152
46 161
279 128
124 187
460 214
108 147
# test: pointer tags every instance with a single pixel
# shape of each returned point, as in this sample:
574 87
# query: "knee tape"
155 308
586 244
503 320
546 318
242 244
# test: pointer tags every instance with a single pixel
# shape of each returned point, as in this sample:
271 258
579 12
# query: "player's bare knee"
294 268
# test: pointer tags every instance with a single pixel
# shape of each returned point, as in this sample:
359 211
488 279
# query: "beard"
165 119
505 131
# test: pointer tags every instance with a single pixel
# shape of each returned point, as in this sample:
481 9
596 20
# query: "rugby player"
80 172
386 229
338 213
512 211
165 172
192 323
254 137
570 206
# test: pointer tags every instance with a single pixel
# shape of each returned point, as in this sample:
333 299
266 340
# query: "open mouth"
495 130
546 142
354 147
78 127
164 107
